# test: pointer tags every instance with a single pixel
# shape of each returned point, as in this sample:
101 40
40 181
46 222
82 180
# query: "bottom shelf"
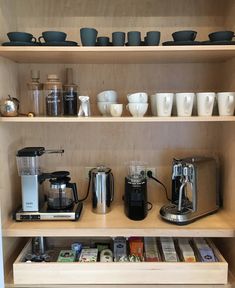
121 273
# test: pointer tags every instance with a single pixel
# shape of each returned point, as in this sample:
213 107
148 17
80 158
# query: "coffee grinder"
135 197
34 204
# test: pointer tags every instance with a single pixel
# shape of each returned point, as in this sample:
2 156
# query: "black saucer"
218 42
65 43
180 43
16 43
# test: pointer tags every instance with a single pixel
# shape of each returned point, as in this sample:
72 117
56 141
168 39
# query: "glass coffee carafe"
62 194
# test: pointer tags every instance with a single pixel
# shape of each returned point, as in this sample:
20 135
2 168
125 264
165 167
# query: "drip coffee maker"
62 200
135 197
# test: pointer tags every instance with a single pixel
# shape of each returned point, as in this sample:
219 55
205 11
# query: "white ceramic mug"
226 103
184 104
164 102
116 110
104 108
205 103
107 96
140 97
137 109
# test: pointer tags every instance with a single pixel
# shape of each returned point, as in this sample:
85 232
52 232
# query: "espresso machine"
195 190
59 203
135 196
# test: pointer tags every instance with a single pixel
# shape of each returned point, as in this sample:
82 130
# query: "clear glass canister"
35 94
53 95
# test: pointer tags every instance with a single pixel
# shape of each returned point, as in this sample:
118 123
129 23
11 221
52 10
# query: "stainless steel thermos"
102 181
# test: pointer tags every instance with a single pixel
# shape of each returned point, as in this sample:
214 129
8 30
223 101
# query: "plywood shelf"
116 223
100 119
119 55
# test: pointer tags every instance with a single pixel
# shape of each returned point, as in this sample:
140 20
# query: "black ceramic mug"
185 35
21 37
118 38
152 38
102 41
53 36
134 38
88 36
221 36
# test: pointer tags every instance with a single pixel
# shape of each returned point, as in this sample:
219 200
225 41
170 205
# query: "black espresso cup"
185 35
152 38
88 36
134 38
53 36
118 38
21 37
221 36
102 41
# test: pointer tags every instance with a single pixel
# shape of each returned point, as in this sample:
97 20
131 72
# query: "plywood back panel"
124 78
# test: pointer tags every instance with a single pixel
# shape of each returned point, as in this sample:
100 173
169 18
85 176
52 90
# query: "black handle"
73 186
112 188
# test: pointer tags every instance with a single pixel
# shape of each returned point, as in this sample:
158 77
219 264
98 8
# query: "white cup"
116 110
184 104
205 103
164 102
104 108
137 109
140 97
107 96
226 103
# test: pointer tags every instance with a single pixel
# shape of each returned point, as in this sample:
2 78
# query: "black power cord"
150 175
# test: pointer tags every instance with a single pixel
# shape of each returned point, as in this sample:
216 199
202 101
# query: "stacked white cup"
161 104
138 104
104 101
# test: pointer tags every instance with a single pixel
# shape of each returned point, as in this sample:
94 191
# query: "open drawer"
120 272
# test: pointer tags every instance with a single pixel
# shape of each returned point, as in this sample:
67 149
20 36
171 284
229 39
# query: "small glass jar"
53 95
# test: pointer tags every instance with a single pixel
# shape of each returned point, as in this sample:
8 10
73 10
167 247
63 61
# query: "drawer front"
120 273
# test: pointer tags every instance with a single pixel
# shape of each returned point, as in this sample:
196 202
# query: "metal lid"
30 152
101 169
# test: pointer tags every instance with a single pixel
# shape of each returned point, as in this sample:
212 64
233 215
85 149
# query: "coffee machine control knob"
177 171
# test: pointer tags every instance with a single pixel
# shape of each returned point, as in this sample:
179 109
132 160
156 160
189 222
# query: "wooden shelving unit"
100 119
119 55
116 223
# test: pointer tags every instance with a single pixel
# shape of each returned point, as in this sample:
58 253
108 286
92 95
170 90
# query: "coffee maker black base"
135 199
49 215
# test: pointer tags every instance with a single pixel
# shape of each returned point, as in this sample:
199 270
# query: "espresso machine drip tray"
49 215
171 214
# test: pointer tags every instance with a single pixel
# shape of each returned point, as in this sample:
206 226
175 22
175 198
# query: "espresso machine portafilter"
28 166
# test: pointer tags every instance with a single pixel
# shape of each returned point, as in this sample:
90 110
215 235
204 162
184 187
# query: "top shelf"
119 55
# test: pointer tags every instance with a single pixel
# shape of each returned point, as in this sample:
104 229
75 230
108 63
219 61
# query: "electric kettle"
62 194
102 181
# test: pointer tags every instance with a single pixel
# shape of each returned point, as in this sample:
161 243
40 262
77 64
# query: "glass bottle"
53 95
35 94
70 95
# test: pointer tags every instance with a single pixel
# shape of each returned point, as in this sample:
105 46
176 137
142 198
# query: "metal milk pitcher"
102 181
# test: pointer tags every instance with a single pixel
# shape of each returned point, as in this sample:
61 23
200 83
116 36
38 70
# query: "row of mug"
162 103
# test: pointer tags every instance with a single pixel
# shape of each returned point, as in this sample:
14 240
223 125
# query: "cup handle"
166 103
39 39
194 35
209 102
127 107
187 102
230 101
34 40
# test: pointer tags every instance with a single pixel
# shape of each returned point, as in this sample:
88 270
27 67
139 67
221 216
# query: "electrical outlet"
87 169
153 170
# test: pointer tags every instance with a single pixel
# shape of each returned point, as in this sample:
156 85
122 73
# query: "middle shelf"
115 223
